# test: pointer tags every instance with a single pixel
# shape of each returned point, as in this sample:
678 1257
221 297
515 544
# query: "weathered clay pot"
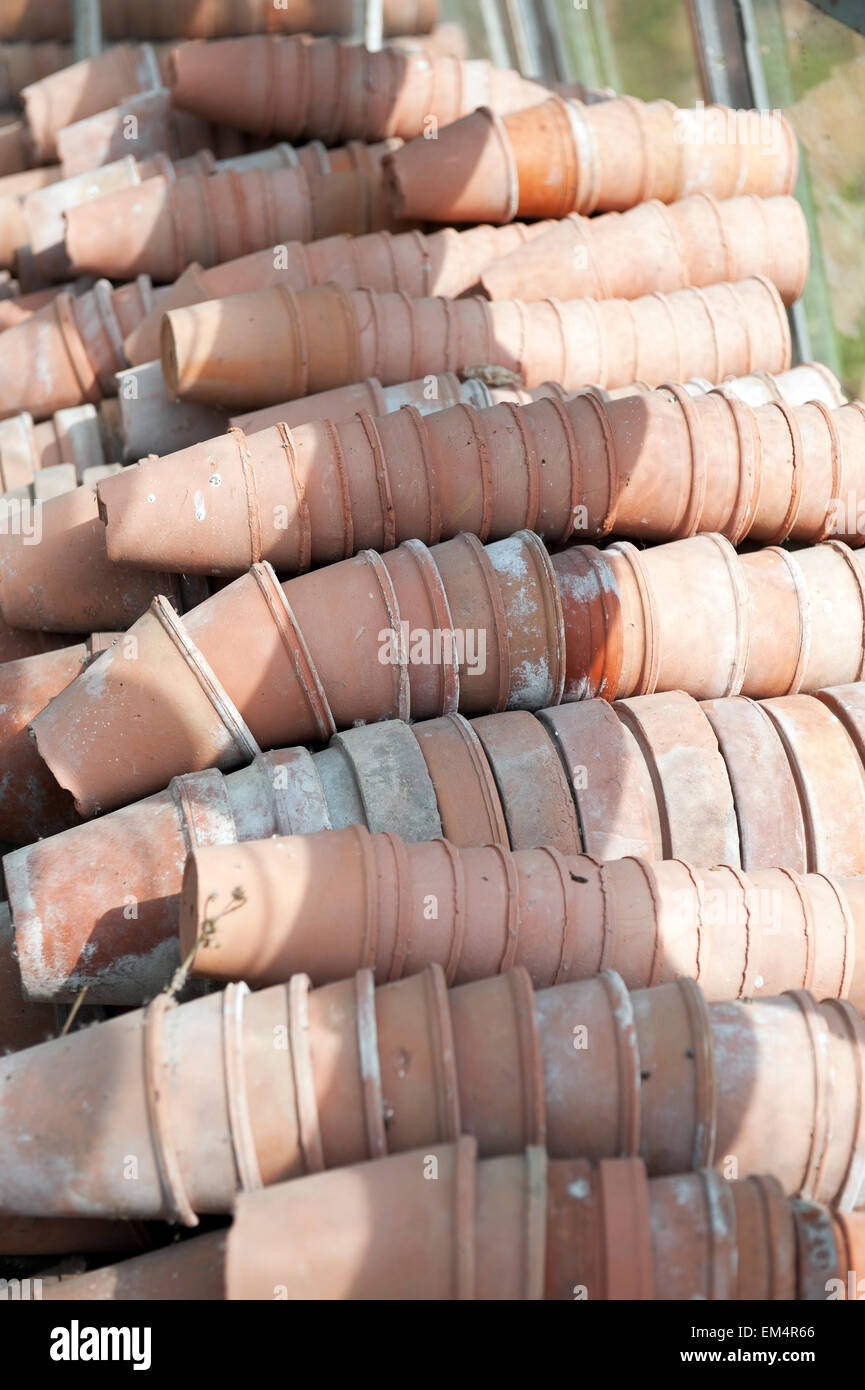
22 1023
210 1108
354 482
122 20
259 664
557 157
149 423
437 776
23 63
160 226
257 349
143 125
652 247
190 1269
57 576
427 394
333 91
513 1228
444 263
40 252
341 900
31 803
67 353
71 436
693 615
84 88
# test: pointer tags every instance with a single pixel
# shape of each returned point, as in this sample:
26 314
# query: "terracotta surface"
602 781
68 352
334 902
158 227
768 474
514 1228
556 157
259 664
84 88
651 247
673 1080
257 349
332 91
23 63
57 576
189 19
446 263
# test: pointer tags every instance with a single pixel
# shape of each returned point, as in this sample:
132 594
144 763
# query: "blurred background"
768 53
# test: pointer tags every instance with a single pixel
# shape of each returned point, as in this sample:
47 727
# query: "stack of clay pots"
432 680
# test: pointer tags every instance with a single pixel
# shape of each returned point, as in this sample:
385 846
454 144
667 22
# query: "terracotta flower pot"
84 88
57 576
145 124
521 1227
215 352
162 225
16 150
122 20
43 216
149 423
335 91
31 803
342 900
556 157
203 1099
22 1023
33 1235
771 622
264 664
67 353
652 247
444 263
23 63
190 1269
630 797
639 457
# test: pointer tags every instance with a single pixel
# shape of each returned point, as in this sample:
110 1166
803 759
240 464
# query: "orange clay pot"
22 1023
57 576
40 252
444 263
491 1059
31 803
341 900
84 88
71 436
335 91
435 777
23 63
191 20
773 473
149 423
513 1228
652 247
67 353
215 352
556 157
164 223
423 631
